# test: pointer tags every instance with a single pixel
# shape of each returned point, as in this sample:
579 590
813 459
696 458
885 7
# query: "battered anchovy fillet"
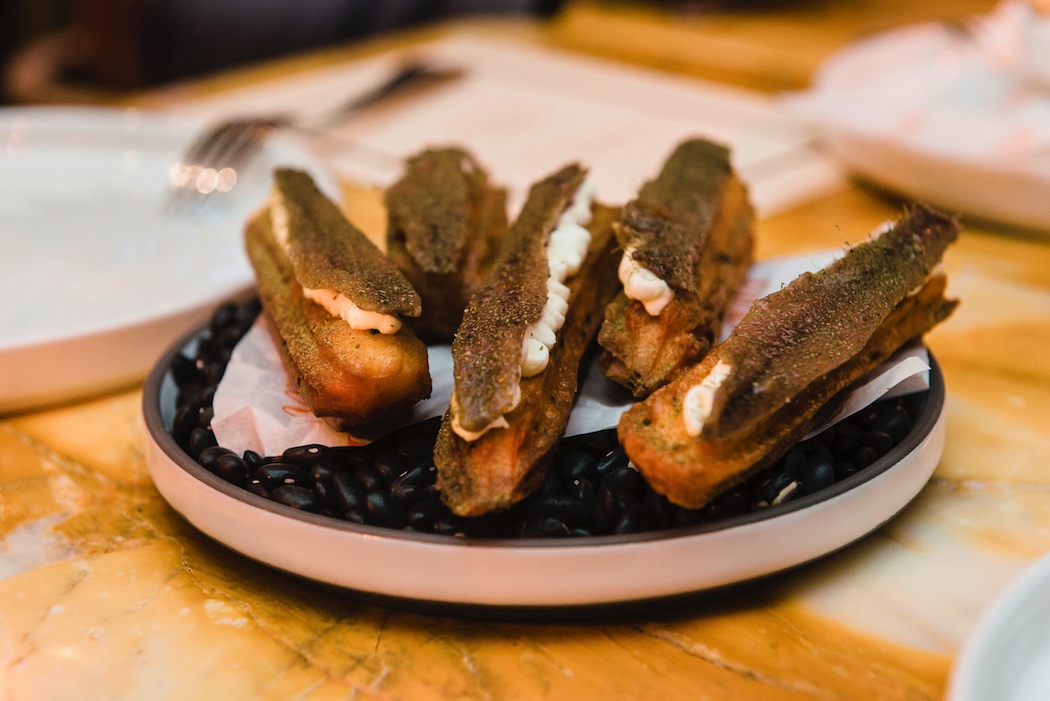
762 390
517 420
446 223
303 245
691 231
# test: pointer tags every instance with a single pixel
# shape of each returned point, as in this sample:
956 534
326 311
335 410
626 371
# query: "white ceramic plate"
943 115
535 573
95 280
1007 656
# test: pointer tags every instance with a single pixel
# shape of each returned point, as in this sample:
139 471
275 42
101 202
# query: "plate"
96 279
535 573
943 114
1007 655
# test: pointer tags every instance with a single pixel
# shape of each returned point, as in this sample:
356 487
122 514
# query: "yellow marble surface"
106 593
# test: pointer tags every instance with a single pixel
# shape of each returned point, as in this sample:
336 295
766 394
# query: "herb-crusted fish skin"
347 376
821 320
487 348
692 228
507 464
327 252
798 344
446 223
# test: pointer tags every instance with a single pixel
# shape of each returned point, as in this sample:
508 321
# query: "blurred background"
84 50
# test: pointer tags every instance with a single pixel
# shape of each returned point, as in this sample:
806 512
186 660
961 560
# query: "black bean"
794 461
817 475
406 494
844 446
624 479
322 471
352 458
865 456
605 511
580 532
575 464
185 371
425 513
879 440
184 422
614 459
388 465
383 510
325 495
659 505
356 516
279 473
296 497
305 455
417 477
347 493
369 479
636 519
849 428
205 416
778 487
844 469
583 490
551 484
450 524
233 469
208 456
254 460
730 503
201 438
546 526
683 518
572 512
255 486
894 422
821 449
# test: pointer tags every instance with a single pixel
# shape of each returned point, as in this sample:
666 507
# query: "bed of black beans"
592 489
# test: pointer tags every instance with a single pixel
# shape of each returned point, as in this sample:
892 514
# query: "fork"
211 162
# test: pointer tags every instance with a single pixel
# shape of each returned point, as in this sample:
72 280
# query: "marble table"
106 592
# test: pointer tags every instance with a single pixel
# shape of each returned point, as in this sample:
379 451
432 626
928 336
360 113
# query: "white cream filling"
643 285
470 436
335 303
566 250
699 400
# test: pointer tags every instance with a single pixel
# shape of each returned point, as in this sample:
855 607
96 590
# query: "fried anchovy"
328 252
800 333
348 377
507 464
486 352
693 226
445 226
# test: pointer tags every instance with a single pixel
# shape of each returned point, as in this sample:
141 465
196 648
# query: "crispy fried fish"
517 353
687 241
445 225
759 392
334 301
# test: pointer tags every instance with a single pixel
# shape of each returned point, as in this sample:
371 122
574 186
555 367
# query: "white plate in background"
95 279
941 113
1007 655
